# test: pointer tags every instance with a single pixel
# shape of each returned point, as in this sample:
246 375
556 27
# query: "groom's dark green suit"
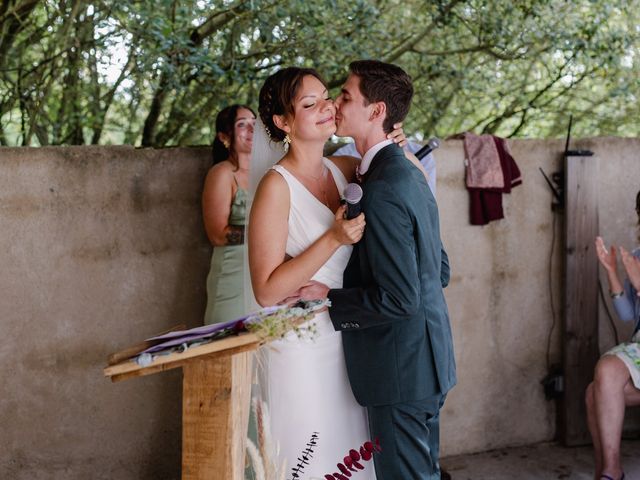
394 320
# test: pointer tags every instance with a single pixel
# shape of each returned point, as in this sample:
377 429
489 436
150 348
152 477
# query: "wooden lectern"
216 391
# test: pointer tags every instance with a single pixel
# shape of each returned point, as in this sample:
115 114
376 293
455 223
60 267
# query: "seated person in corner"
616 382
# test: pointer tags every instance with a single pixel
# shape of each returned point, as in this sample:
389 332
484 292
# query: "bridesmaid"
223 210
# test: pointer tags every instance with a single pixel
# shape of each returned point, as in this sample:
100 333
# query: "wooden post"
215 415
581 295
216 389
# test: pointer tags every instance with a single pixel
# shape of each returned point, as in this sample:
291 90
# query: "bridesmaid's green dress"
225 283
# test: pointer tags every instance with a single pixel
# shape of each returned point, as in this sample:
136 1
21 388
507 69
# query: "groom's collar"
368 156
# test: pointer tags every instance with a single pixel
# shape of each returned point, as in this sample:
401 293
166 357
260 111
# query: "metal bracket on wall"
556 184
553 383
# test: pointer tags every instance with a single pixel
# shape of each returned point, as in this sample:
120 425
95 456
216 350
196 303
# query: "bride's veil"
264 154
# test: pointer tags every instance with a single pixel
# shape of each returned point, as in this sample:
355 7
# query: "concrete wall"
499 305
499 297
101 247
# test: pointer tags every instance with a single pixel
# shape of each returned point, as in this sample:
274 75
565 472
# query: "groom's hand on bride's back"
313 290
347 232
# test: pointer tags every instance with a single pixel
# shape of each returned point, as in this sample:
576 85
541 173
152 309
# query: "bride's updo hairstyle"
277 96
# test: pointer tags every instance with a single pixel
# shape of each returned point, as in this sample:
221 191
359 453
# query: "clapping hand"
608 260
632 267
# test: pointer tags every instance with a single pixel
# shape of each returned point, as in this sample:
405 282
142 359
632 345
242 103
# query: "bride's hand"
347 232
397 135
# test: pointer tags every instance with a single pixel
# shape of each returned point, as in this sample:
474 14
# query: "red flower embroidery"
351 463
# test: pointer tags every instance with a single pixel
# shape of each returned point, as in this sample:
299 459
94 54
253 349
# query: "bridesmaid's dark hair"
225 123
277 95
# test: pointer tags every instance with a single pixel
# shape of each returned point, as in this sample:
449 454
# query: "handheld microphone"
352 196
431 145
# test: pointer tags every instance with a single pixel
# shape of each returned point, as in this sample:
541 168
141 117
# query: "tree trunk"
151 123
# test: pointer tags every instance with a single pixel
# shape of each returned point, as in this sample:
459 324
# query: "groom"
392 311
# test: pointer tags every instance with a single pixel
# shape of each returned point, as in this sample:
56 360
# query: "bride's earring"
287 140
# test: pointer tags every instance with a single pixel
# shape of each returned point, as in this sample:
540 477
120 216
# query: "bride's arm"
272 276
413 159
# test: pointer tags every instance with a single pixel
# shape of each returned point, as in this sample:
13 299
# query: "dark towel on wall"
486 203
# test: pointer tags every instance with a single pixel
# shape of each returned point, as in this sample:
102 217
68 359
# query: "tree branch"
411 42
13 22
215 22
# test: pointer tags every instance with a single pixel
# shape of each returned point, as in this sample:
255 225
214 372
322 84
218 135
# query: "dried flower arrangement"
276 322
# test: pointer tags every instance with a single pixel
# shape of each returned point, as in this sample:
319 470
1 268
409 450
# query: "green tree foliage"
155 73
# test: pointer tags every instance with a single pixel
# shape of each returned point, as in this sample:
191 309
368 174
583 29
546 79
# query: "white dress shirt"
428 162
368 156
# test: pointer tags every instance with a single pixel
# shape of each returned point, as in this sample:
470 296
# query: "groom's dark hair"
388 83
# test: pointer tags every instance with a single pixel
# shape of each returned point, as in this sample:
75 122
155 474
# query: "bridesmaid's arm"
273 277
217 196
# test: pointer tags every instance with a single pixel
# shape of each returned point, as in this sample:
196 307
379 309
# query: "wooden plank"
174 360
580 333
215 413
162 367
134 350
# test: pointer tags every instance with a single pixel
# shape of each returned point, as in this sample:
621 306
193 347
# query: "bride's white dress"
305 380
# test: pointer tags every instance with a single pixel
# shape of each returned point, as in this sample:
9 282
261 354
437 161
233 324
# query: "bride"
297 233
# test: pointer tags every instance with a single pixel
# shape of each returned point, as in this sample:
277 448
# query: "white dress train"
304 381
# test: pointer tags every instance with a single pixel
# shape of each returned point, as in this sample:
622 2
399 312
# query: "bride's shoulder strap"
274 185
346 164
285 175
338 173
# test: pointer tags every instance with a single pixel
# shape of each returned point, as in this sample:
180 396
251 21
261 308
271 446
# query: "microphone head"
352 193
434 143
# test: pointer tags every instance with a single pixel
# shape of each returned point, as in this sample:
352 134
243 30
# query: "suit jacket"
391 310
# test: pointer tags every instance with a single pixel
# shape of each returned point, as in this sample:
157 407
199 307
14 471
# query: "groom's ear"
379 111
281 123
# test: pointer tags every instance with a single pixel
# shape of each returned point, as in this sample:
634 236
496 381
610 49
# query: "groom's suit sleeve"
394 293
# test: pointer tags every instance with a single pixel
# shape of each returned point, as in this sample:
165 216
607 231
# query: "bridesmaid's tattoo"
235 235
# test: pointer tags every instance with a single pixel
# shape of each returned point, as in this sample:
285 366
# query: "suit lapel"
380 158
